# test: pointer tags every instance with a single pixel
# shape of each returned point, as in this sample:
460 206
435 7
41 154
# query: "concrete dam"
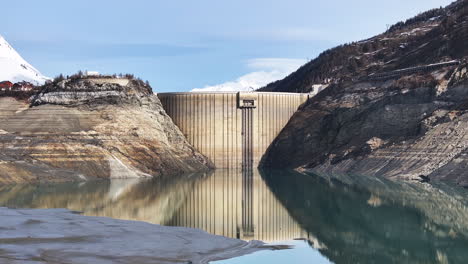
233 129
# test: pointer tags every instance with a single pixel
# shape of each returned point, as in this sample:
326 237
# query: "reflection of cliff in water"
151 201
385 222
228 203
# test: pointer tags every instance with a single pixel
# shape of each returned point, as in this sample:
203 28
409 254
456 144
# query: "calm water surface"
327 221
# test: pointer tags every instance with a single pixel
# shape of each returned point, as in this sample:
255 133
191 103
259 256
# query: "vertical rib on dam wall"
232 129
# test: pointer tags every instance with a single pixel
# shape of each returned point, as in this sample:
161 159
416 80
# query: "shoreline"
60 235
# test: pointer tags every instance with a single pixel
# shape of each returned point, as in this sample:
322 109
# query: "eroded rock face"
80 130
414 127
82 90
394 107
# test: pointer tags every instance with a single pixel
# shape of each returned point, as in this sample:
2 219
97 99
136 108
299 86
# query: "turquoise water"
350 220
301 252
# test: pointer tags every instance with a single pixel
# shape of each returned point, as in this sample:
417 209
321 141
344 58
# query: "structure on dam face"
232 129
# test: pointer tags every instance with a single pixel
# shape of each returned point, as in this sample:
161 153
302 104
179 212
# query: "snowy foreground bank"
61 236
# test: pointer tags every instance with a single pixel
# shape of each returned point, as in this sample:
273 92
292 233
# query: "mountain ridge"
430 37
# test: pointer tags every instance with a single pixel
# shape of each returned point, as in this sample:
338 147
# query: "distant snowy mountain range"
15 69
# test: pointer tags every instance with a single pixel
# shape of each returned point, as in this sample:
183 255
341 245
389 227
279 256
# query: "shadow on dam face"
233 129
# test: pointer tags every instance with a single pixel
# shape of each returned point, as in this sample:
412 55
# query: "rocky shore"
77 129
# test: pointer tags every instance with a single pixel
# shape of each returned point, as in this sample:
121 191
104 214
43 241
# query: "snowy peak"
14 68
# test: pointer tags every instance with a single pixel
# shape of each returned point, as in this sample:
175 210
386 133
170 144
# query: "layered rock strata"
395 105
412 127
78 130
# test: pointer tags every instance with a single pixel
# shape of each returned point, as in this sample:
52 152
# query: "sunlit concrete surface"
232 129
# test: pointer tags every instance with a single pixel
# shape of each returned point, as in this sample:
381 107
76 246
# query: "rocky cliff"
76 129
383 119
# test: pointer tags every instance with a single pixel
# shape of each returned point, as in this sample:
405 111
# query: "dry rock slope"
402 113
76 129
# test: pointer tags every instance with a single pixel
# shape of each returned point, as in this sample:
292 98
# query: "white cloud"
265 71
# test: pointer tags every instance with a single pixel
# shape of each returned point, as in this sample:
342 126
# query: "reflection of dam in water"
240 207
222 202
232 129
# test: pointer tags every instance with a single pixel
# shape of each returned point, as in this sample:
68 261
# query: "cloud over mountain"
265 71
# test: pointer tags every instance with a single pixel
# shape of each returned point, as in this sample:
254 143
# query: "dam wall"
233 129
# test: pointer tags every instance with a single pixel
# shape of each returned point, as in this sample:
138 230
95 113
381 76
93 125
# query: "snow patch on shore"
62 236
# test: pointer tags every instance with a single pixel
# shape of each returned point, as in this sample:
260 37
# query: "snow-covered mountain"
14 68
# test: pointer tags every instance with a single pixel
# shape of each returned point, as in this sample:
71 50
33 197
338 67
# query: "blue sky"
181 45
